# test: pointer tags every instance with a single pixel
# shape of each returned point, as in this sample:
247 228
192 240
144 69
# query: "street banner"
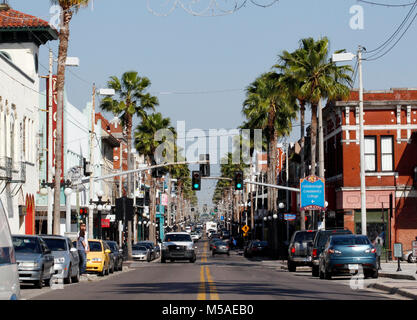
312 193
54 124
164 199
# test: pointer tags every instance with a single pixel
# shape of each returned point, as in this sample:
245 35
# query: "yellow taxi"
98 258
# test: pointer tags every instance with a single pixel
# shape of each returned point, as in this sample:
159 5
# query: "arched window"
12 136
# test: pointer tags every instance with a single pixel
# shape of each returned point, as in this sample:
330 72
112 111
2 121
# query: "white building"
21 35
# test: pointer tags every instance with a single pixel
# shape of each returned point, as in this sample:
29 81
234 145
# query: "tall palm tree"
147 145
270 107
69 7
319 78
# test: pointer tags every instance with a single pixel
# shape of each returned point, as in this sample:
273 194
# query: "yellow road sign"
245 229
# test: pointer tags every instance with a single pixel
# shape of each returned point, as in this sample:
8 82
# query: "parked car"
117 254
256 248
9 275
409 257
66 259
151 246
178 246
35 260
345 254
141 252
299 250
319 243
221 247
112 257
98 258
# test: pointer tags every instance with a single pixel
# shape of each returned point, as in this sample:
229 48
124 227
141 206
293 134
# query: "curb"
397 276
393 290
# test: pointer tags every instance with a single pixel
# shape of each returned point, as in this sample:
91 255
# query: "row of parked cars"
332 253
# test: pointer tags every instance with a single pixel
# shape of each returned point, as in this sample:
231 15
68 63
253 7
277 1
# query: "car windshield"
56 244
26 245
260 244
304 236
113 246
324 236
95 246
178 238
139 248
350 241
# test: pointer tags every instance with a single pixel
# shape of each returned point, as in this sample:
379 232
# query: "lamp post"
349 57
45 190
100 205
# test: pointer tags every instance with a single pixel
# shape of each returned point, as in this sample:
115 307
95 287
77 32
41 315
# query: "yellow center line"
212 286
202 288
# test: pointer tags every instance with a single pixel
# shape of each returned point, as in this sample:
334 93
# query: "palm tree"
318 78
68 7
270 107
147 145
132 101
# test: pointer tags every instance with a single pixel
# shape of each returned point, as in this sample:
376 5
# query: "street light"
100 205
349 57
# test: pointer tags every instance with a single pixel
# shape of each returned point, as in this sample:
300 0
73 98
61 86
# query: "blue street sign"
312 193
222 218
289 216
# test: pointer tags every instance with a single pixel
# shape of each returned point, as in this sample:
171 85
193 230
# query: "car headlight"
59 260
190 246
29 265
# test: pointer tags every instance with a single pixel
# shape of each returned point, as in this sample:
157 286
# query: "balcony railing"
6 168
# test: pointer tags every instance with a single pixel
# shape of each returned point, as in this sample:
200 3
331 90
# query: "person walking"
82 248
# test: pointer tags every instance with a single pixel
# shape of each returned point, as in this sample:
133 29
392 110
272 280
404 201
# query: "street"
211 278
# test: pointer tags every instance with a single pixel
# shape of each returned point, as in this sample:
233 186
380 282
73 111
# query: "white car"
194 236
9 276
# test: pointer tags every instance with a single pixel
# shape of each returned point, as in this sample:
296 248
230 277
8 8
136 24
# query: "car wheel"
213 253
291 266
375 274
108 270
48 282
411 259
39 283
112 269
192 260
321 274
315 271
228 253
67 280
76 278
121 266
163 260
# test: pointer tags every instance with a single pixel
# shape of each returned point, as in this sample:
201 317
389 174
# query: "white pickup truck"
178 246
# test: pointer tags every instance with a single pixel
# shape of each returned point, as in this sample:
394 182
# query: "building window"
387 155
370 153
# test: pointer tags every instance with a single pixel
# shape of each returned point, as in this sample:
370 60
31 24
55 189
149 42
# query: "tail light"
314 253
373 250
292 250
214 247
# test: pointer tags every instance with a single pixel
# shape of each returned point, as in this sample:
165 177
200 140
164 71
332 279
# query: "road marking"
202 288
212 286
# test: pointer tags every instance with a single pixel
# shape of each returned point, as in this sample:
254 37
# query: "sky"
194 55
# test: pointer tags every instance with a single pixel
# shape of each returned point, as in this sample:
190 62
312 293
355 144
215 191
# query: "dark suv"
299 250
319 243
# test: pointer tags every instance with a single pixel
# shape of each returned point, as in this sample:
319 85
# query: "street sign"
222 218
105 223
245 228
111 217
312 193
398 250
415 248
289 216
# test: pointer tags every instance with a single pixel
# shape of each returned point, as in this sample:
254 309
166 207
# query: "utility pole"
50 141
90 210
321 141
362 144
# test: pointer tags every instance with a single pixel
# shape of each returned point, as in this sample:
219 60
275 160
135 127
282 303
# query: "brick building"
390 124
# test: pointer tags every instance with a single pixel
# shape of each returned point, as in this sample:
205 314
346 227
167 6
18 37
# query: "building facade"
390 127
21 35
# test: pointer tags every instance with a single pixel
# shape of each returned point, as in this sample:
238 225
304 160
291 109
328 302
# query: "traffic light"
239 180
205 168
196 180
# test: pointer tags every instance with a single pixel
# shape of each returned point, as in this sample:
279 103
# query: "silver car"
409 257
140 253
66 258
35 260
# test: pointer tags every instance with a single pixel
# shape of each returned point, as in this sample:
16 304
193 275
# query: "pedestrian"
234 243
82 248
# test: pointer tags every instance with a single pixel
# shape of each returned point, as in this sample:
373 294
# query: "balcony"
6 168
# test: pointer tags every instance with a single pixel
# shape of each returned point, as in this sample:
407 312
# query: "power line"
386 4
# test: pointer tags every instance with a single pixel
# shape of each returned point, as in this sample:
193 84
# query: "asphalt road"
212 278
